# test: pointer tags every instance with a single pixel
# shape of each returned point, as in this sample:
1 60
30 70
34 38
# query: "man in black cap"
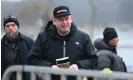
63 42
107 53
15 47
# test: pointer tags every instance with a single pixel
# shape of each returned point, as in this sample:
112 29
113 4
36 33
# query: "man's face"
63 23
114 42
11 29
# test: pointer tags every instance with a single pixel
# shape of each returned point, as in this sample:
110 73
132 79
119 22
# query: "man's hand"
54 66
73 67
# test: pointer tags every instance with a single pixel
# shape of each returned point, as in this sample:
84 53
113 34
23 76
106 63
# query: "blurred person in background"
61 40
15 46
107 52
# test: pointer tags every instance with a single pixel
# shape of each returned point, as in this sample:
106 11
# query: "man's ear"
54 21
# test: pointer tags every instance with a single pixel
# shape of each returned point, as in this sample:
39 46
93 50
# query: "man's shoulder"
42 33
42 36
105 52
25 37
3 37
28 38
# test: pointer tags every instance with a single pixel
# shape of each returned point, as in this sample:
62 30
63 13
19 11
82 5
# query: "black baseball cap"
61 11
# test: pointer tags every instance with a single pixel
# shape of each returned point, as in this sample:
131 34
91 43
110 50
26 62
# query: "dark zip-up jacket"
50 46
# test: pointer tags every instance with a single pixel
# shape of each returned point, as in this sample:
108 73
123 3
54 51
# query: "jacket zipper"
64 49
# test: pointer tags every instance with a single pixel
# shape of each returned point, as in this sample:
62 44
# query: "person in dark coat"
107 52
61 40
15 46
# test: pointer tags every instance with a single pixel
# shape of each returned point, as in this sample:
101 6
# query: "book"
63 62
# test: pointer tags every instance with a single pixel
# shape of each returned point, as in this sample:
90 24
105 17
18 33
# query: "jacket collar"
53 32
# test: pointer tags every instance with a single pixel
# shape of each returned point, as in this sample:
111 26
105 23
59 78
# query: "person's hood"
100 44
49 24
53 31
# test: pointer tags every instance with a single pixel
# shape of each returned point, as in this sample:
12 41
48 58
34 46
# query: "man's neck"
63 34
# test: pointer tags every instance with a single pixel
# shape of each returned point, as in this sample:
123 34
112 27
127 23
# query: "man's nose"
10 27
64 21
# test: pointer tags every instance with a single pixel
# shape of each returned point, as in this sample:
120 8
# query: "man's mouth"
64 26
11 32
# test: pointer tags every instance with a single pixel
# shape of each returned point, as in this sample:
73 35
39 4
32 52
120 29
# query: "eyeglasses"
9 17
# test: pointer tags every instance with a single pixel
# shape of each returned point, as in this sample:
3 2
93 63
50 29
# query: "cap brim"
62 15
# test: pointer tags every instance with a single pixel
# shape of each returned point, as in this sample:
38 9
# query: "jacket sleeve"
104 61
35 56
90 60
